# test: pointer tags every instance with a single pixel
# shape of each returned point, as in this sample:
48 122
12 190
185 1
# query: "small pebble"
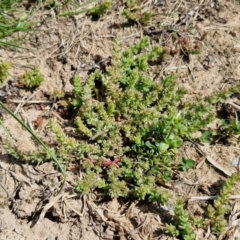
50 238
235 162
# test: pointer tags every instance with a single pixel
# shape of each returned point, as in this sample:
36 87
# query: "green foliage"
229 128
130 126
216 214
187 164
135 14
208 136
12 20
182 225
220 96
4 66
88 183
32 79
100 10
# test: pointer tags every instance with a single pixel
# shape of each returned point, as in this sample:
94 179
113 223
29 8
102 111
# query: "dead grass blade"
52 201
213 162
58 163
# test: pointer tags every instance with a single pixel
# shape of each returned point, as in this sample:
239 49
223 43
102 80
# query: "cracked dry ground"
29 206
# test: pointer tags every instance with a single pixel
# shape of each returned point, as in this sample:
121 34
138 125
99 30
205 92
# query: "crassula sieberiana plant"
129 126
215 218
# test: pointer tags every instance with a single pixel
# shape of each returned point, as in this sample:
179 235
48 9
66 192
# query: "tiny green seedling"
32 79
187 164
208 136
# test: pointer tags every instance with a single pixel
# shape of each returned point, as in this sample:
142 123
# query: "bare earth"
29 206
